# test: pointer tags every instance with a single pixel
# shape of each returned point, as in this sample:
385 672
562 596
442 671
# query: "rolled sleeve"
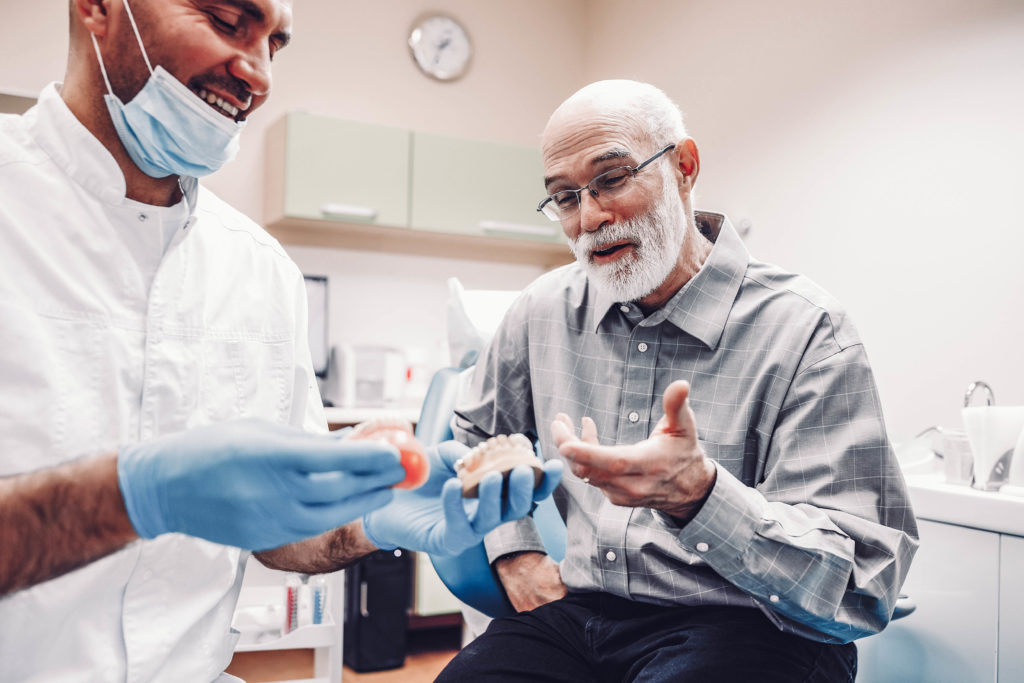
518 536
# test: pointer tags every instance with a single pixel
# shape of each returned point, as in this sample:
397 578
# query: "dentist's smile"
221 105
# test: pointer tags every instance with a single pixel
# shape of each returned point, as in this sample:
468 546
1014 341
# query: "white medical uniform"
119 322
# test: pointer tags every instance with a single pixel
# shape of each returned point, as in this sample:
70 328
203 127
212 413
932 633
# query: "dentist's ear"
92 14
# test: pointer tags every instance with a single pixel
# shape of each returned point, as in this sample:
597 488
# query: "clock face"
440 46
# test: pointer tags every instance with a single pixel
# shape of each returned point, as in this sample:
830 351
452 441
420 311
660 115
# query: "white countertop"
960 504
352 416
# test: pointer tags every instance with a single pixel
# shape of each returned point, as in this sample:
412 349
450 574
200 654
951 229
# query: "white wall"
33 45
877 147
350 60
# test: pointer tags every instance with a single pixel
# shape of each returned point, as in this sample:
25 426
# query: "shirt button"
610 555
702 547
634 416
773 598
642 347
142 217
624 308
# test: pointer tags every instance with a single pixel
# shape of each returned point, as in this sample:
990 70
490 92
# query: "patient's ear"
689 159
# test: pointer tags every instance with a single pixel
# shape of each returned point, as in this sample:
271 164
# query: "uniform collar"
82 156
701 307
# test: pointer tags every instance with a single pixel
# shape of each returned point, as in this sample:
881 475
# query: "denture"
501 454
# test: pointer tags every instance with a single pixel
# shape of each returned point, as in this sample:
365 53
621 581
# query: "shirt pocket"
52 405
246 378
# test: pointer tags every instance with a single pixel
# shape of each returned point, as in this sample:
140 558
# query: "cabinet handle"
348 211
521 228
362 600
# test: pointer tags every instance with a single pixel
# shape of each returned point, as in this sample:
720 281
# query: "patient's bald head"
645 110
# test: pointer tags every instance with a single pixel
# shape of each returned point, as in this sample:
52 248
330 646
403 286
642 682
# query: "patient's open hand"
668 471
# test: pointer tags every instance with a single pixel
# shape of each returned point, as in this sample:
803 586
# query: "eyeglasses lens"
608 185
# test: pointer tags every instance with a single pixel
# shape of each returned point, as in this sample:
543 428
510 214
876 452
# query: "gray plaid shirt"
809 519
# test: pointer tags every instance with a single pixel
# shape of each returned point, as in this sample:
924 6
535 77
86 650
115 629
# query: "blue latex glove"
436 519
253 484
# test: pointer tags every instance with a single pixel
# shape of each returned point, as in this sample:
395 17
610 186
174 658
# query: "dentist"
159 417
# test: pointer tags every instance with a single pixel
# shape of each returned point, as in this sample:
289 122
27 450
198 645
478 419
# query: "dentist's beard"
657 237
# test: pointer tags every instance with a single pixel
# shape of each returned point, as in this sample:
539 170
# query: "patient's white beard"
658 236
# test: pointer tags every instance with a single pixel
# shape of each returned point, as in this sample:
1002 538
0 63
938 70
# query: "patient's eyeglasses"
566 203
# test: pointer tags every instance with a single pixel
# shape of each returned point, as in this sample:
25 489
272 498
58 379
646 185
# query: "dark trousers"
598 637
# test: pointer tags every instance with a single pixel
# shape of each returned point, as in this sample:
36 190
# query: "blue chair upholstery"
469 575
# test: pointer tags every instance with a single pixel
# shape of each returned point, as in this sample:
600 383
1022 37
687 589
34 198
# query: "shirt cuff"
518 536
723 529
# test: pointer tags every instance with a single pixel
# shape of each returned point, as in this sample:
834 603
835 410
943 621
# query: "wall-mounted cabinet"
478 188
337 183
325 169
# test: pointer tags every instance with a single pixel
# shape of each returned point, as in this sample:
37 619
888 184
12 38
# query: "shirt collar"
701 307
82 156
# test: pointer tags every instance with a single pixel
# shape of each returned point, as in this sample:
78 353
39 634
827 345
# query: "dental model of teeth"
498 454
398 433
226 107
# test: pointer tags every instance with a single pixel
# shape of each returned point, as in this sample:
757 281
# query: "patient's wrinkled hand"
530 579
668 471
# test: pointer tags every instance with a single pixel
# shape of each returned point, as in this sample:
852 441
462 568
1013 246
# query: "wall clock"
440 47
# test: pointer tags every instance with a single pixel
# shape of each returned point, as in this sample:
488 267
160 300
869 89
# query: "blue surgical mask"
166 128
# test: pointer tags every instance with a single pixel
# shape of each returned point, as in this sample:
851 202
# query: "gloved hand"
253 484
436 519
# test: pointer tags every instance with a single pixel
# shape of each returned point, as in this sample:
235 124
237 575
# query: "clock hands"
441 47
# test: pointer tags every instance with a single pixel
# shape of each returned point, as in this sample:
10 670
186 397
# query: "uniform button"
610 555
773 598
142 217
702 547
642 347
634 416
624 308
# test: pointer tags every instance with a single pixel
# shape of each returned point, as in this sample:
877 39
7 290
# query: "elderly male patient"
734 507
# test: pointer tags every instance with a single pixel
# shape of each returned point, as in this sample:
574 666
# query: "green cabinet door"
345 171
478 188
